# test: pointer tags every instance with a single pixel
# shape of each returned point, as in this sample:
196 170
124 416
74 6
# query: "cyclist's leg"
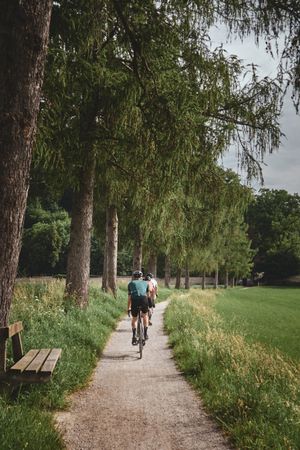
145 309
150 310
133 322
145 319
134 313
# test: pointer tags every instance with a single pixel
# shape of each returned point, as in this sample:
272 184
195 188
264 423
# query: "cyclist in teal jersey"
138 296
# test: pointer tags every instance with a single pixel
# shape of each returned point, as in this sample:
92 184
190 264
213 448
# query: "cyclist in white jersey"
155 285
154 294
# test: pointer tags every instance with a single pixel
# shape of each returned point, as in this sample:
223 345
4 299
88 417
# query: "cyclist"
137 296
151 294
155 285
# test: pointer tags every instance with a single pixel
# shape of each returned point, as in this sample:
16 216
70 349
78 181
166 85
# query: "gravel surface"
138 404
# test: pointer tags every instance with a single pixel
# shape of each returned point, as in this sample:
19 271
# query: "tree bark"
216 281
137 252
167 271
152 264
178 278
112 248
79 255
104 272
203 280
23 46
187 276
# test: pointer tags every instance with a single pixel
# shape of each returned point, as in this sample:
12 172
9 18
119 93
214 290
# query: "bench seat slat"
38 361
21 365
51 361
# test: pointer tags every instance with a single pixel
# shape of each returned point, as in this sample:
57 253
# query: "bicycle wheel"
141 335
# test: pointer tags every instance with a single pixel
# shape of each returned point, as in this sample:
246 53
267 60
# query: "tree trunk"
152 264
178 278
232 282
23 45
112 248
226 279
216 281
187 276
104 271
78 265
137 252
203 280
167 271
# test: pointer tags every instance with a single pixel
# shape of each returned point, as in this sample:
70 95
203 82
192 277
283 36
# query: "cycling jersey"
137 288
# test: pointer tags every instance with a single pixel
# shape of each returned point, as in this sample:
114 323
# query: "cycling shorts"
139 301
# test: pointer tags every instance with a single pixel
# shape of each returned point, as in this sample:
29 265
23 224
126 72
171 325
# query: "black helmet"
137 274
149 275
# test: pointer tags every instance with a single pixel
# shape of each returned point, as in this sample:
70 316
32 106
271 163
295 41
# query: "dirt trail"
138 404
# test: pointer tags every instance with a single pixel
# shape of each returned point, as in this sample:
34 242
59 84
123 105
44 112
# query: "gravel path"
138 404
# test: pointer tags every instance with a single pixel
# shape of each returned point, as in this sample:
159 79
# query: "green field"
270 315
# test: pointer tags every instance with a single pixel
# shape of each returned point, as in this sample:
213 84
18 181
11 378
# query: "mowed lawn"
270 315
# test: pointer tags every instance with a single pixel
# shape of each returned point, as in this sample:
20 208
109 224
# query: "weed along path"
138 404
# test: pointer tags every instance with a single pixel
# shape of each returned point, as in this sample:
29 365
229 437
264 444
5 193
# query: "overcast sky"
282 169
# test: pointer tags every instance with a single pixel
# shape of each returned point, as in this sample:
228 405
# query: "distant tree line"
274 229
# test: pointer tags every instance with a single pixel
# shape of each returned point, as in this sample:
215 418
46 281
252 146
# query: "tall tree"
237 256
187 100
23 46
78 265
112 248
70 123
167 271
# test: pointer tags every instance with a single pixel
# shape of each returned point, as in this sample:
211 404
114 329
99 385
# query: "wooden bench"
36 366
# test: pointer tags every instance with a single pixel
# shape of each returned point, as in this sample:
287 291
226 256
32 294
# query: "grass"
267 315
49 321
253 391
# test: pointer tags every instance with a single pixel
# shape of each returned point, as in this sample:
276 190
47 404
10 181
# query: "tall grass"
252 392
26 421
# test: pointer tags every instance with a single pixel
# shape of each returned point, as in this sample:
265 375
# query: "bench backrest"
12 331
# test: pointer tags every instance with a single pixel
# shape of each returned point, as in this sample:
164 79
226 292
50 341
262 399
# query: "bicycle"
140 332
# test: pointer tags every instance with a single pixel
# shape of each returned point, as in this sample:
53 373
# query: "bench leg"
2 357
